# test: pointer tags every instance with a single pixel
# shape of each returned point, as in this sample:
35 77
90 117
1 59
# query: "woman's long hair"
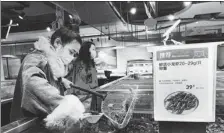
85 56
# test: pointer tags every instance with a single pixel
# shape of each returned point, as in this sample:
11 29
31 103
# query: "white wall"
123 55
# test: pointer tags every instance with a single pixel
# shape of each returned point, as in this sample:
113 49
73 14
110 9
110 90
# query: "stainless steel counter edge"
4 101
20 125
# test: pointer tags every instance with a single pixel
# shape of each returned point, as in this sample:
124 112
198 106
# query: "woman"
39 90
84 72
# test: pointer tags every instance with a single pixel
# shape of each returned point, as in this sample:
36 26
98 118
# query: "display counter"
142 119
7 90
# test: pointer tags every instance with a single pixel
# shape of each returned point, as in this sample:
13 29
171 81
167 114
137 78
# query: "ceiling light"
20 17
196 22
133 10
70 16
48 29
187 3
171 17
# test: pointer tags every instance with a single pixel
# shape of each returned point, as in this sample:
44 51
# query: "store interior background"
111 26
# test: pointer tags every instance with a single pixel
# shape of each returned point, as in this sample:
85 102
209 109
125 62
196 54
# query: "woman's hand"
66 83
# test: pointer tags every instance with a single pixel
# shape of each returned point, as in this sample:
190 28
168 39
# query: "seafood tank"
128 107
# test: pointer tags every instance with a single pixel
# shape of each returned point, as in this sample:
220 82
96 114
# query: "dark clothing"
36 91
85 78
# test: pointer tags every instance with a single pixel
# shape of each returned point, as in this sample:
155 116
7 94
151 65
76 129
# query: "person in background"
39 90
107 75
84 72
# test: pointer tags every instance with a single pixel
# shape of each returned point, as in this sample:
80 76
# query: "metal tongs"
93 116
103 96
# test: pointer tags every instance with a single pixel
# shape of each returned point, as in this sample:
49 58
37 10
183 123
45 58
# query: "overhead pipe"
117 35
117 13
58 5
112 35
140 32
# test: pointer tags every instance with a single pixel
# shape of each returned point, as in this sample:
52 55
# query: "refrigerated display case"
143 68
142 120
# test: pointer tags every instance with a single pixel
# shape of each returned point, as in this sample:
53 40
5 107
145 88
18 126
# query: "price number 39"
188 87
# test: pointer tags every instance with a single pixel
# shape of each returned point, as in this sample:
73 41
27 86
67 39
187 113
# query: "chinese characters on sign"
185 83
165 55
163 66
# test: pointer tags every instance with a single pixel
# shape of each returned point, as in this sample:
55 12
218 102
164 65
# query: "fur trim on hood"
43 44
56 64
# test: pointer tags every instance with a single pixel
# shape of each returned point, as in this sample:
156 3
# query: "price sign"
184 82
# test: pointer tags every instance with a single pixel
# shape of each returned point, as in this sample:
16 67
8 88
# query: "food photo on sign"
181 103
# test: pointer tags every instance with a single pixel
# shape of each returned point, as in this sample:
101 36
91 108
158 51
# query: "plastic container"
129 111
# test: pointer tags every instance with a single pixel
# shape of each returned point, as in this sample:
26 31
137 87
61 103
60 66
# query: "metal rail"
20 125
4 101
